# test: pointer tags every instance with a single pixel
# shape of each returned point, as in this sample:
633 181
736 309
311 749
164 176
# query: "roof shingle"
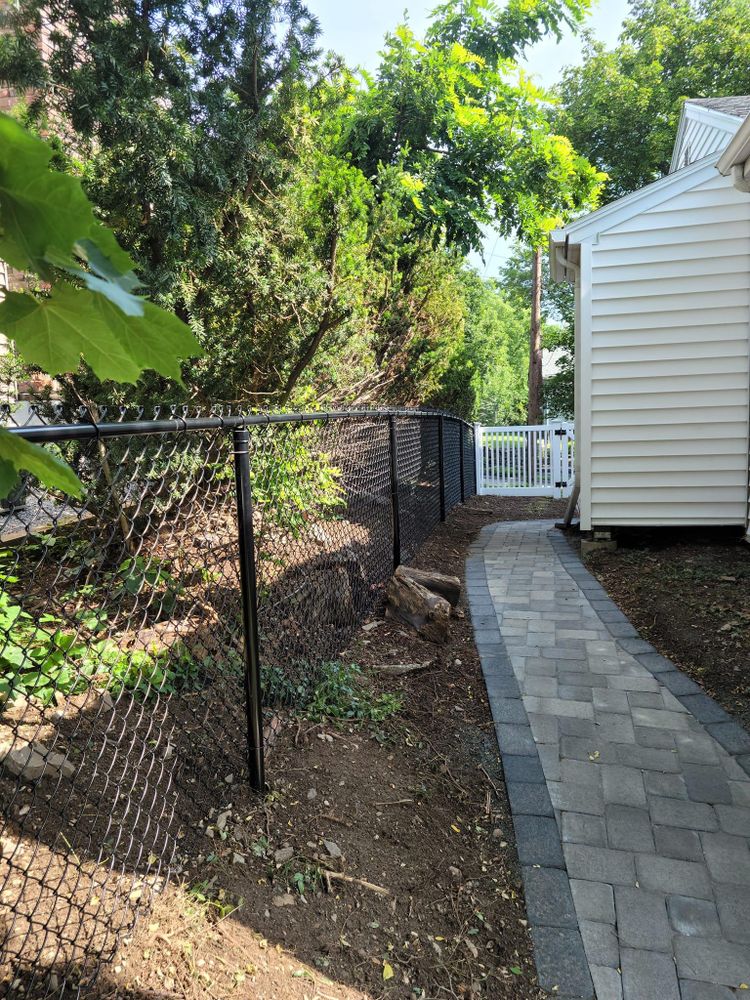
737 106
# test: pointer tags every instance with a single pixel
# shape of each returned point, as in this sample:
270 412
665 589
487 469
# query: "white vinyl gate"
526 461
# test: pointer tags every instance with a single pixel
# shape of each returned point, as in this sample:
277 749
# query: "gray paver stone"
562 968
549 901
704 709
693 917
704 991
599 864
681 812
607 983
674 842
731 736
529 799
712 960
600 943
593 901
629 829
642 919
508 710
522 769
733 902
669 875
707 783
648 974
669 786
515 740
583 828
727 857
538 841
623 785
734 819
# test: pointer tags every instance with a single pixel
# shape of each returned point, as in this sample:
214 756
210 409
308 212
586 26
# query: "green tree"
620 107
486 376
87 306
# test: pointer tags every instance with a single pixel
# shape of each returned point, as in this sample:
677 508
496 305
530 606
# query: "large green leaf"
16 454
55 331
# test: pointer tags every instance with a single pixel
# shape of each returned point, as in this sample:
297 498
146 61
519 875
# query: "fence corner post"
395 499
253 697
478 460
441 464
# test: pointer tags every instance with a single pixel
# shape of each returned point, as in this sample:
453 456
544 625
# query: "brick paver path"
628 785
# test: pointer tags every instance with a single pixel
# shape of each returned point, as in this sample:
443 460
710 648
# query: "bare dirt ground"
689 595
380 864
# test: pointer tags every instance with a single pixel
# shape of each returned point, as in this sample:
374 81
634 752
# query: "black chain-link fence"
128 628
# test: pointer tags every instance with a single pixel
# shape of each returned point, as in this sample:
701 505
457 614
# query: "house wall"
668 370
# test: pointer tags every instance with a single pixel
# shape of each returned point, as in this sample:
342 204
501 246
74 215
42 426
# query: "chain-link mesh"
122 642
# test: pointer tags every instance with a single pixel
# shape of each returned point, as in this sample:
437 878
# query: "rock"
221 819
333 848
229 779
448 587
455 873
410 602
283 855
238 859
31 761
312 794
286 900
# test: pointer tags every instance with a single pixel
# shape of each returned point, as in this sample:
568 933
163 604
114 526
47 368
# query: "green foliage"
41 656
308 225
486 379
48 228
293 482
332 690
212 902
620 108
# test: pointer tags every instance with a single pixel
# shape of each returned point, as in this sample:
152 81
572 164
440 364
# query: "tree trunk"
535 341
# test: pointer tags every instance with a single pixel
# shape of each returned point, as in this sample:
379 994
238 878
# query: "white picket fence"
526 461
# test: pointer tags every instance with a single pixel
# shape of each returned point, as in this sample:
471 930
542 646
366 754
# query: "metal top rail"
88 429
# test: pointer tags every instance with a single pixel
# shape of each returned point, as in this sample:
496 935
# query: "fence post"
395 502
478 459
441 464
461 446
253 705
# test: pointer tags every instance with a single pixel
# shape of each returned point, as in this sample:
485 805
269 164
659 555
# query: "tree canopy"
308 225
621 106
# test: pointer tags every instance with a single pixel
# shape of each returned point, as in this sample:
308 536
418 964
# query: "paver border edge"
553 922
728 733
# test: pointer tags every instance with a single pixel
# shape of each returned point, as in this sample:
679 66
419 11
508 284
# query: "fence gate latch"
560 485
560 432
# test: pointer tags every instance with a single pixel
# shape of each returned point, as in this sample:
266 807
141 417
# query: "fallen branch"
399 669
355 881
398 802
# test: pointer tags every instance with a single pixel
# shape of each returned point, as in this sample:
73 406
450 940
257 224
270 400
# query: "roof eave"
738 151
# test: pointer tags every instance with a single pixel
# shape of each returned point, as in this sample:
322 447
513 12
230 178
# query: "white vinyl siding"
669 367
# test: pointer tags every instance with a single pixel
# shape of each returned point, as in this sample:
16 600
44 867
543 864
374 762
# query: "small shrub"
333 690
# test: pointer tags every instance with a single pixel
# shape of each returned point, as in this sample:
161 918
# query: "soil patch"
690 597
381 863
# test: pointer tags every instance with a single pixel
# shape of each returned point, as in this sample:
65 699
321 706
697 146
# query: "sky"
355 30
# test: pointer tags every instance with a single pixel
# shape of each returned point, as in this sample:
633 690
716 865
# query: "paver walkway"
628 785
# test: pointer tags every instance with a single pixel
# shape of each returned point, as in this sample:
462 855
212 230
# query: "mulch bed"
425 899
689 595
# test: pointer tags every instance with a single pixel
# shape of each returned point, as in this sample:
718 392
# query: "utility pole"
535 340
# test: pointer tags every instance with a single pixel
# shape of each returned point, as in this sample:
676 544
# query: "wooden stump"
410 602
448 587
